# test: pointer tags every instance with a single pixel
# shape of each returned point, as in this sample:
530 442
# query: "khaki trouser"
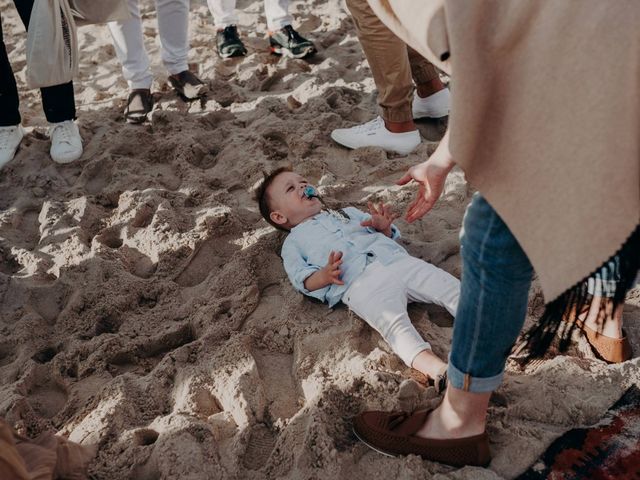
392 63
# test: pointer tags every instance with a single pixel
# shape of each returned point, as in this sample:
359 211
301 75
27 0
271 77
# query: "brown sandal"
609 349
394 434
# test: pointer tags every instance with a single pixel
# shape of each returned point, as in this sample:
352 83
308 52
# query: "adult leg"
394 130
9 100
496 277
389 62
58 101
173 26
223 12
11 131
601 317
277 13
129 46
431 98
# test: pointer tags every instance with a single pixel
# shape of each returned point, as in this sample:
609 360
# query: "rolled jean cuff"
417 350
464 381
397 114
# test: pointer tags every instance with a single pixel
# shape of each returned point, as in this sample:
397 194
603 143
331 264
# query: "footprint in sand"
110 238
208 257
275 145
7 353
275 371
145 436
97 175
48 301
47 398
28 224
45 355
261 443
8 263
143 357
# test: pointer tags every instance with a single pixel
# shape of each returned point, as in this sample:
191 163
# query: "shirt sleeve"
360 216
297 268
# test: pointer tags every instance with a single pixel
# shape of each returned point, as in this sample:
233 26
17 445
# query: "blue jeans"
496 276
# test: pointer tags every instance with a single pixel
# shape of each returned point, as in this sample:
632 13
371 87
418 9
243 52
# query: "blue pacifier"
310 192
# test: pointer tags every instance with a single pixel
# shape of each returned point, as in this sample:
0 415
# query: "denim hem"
464 381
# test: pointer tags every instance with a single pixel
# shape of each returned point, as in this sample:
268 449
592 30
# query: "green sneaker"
228 43
290 43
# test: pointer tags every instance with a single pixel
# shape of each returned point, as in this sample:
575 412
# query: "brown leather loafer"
394 434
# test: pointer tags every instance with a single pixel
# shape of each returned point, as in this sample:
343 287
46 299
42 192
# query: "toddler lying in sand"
351 256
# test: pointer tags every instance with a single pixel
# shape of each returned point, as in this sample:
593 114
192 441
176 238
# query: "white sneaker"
66 143
433 106
10 138
375 134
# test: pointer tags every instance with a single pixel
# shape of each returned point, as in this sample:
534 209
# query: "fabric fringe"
623 266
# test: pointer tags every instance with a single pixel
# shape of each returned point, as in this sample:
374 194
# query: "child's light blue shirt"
307 248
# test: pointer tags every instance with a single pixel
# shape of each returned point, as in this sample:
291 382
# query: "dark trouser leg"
57 101
9 102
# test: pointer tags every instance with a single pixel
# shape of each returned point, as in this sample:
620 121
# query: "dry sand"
145 309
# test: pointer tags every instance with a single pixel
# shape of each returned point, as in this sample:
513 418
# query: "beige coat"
545 117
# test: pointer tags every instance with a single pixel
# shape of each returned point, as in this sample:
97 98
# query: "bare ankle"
461 414
428 363
445 423
427 89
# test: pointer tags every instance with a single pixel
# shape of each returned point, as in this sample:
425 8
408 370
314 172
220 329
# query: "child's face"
289 205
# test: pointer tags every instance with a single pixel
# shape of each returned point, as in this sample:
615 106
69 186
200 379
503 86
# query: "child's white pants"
173 28
381 293
224 13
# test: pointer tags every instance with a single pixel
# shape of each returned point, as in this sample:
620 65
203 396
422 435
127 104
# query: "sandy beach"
144 307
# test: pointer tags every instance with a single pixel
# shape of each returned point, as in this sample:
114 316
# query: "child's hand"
331 271
327 275
381 218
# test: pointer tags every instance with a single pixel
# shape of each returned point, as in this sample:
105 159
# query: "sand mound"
144 305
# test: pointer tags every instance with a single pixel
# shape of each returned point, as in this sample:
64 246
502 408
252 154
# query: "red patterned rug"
609 450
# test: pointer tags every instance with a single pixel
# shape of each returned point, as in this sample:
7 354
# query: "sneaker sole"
372 447
239 53
133 120
354 146
432 116
67 160
285 52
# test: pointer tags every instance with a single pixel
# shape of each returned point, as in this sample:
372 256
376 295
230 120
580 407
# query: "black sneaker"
188 85
290 43
228 43
139 105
